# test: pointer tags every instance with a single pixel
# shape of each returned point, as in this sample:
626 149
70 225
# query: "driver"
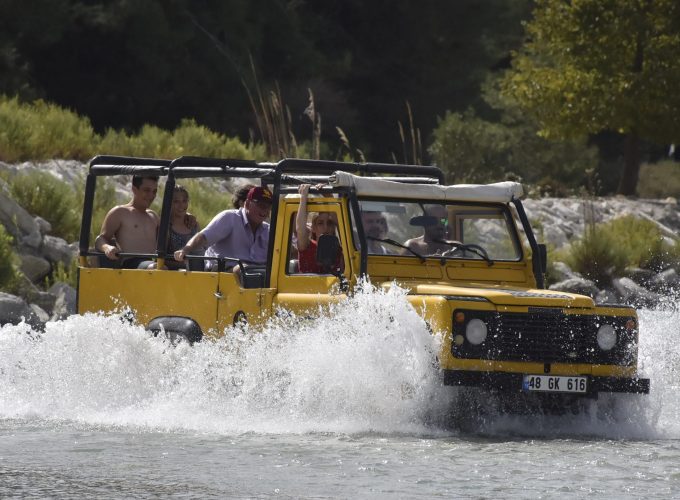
432 240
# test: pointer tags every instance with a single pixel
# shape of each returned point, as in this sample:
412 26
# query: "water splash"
367 365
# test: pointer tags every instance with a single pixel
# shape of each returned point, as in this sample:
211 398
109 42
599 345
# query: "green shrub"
189 139
42 131
8 262
471 149
596 257
642 242
42 194
607 249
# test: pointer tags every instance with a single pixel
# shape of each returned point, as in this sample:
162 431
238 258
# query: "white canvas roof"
499 192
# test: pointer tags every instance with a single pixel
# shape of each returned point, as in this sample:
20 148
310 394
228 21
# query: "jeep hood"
500 295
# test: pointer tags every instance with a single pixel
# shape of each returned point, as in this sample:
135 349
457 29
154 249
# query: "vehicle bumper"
512 382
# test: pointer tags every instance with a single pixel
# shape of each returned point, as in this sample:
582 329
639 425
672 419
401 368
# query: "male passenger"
240 234
433 234
133 227
375 226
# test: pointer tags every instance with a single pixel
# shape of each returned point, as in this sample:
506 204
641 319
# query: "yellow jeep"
480 283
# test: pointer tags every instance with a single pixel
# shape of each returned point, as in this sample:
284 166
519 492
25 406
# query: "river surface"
347 406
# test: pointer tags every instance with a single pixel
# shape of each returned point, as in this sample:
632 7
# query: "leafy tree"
471 149
596 65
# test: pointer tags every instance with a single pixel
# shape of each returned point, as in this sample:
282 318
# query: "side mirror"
327 250
543 256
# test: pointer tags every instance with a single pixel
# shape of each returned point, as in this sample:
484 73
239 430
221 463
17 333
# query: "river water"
346 406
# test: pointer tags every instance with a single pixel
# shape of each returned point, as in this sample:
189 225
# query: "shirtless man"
428 243
133 227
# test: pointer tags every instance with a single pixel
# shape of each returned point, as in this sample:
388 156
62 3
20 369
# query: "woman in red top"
322 223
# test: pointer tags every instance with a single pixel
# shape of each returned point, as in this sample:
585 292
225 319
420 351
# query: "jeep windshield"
445 230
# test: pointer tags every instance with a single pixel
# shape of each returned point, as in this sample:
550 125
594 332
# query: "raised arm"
303 233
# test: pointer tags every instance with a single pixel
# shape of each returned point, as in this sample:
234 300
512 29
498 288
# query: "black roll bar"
535 253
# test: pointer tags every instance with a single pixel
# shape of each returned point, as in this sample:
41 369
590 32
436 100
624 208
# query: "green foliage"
593 65
607 249
63 274
596 257
659 180
41 131
42 194
157 62
8 262
188 139
642 242
471 149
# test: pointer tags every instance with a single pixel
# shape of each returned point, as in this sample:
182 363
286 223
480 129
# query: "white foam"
365 366
368 365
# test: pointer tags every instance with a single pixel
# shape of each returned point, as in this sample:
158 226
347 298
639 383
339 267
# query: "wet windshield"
455 231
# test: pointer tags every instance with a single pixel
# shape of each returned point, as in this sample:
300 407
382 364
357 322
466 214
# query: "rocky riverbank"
559 221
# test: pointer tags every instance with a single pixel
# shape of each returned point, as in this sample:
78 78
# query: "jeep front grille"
545 336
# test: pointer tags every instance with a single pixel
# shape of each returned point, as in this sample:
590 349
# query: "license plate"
554 383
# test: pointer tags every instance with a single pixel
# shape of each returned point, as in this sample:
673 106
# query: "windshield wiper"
475 249
397 244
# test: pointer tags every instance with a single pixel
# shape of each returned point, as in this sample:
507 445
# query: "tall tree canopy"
126 63
596 65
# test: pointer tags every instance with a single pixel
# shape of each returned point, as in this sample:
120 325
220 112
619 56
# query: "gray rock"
632 293
34 268
44 226
666 279
65 303
607 297
640 276
581 286
58 250
40 313
15 218
14 310
562 271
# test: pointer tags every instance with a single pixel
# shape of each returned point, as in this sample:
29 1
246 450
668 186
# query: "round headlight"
475 331
606 337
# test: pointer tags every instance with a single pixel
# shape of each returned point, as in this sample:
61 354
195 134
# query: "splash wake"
366 366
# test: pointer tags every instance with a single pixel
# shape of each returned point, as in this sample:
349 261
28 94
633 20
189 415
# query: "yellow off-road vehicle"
483 287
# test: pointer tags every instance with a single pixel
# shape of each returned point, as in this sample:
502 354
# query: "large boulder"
58 250
562 271
18 222
14 310
666 280
581 286
35 268
632 293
